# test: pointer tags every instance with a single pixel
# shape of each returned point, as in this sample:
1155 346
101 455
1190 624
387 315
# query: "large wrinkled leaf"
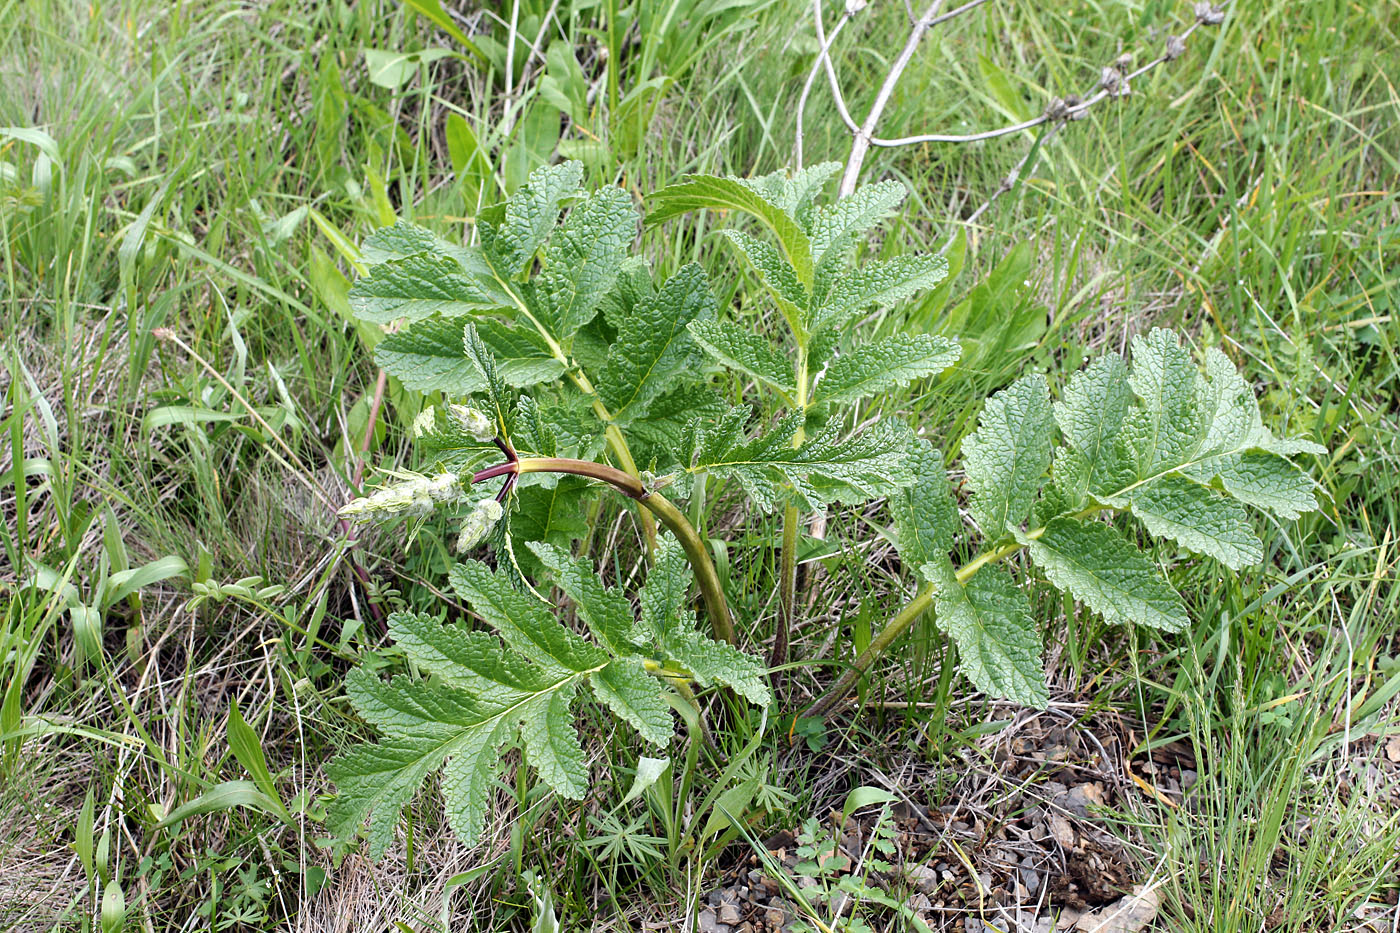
697 192
1100 568
925 515
482 694
825 469
1009 453
420 286
653 344
747 352
883 365
582 260
989 619
429 356
879 284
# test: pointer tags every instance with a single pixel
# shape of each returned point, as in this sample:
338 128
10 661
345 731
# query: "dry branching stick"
1115 81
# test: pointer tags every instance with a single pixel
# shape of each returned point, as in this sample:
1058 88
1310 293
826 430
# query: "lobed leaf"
1008 454
1097 566
882 365
925 515
825 469
698 192
989 619
653 344
420 286
582 260
881 283
747 352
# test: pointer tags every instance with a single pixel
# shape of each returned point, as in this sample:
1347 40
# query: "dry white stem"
882 97
1115 81
822 57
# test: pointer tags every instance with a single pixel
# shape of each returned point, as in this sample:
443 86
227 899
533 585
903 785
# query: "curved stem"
711 590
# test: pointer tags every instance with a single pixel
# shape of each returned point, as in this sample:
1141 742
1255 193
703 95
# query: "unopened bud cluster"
479 524
413 498
473 421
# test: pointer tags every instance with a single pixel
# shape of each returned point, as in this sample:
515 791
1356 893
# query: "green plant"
1176 451
485 692
819 295
563 312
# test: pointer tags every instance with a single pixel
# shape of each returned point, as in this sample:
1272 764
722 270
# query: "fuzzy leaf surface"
1199 520
428 356
1009 453
653 344
825 469
989 619
880 283
420 286
698 192
1099 567
582 260
745 351
884 364
925 515
529 216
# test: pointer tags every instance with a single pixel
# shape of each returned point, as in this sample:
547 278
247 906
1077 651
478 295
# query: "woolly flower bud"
1176 47
425 423
474 421
479 524
416 497
445 487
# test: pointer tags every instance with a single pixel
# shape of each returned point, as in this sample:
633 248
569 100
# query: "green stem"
716 606
906 617
787 563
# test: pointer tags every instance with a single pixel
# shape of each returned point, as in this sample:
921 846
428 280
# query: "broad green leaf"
402 240
635 696
697 192
1096 565
778 276
653 344
1008 454
925 515
515 234
1260 479
748 352
989 619
881 283
876 367
665 591
1167 430
526 624
606 612
522 356
801 190
427 356
1091 416
551 744
713 663
419 286
425 725
1232 415
836 226
1199 520
473 660
825 469
581 262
